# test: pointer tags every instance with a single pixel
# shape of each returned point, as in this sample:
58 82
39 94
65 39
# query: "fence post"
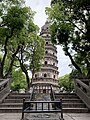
61 111
23 109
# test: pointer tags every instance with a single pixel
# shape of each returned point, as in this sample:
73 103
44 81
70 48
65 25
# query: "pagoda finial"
47 22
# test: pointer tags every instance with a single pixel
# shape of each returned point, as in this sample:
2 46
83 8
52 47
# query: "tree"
16 26
31 55
18 34
13 15
70 27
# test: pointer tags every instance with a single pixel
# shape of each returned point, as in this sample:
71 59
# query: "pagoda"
48 73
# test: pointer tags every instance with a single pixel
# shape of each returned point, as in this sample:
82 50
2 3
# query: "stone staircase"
71 103
13 102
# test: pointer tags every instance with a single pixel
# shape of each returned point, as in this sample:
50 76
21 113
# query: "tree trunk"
32 77
28 82
1 76
72 61
26 74
88 74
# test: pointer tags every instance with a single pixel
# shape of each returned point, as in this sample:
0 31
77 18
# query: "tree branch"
77 27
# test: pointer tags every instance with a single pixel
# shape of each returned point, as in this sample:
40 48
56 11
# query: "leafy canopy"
70 27
17 32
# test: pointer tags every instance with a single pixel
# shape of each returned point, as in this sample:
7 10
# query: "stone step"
71 100
66 96
17 96
11 110
70 105
67 93
12 93
75 110
14 100
11 105
73 105
65 110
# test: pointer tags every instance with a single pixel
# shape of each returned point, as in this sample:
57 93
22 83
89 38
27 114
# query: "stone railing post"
89 88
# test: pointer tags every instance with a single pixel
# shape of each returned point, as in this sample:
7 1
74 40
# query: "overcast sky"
39 19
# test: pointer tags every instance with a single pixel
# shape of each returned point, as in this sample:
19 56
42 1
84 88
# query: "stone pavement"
67 116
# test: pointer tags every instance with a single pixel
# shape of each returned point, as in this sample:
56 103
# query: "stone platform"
67 116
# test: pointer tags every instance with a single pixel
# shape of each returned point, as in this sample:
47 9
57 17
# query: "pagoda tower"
48 74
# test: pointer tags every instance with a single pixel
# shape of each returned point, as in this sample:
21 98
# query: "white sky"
39 7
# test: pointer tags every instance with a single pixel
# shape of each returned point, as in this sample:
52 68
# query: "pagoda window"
54 76
46 43
46 52
35 75
45 62
53 64
45 75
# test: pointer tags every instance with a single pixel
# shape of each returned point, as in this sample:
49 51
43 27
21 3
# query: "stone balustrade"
50 46
4 88
49 66
83 91
45 80
52 56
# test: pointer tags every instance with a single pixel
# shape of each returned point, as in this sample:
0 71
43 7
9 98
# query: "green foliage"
66 82
18 80
13 17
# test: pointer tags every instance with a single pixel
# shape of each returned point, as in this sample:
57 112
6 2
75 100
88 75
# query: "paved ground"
67 116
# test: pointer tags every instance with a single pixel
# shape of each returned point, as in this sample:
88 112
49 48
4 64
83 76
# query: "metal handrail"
28 108
52 94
